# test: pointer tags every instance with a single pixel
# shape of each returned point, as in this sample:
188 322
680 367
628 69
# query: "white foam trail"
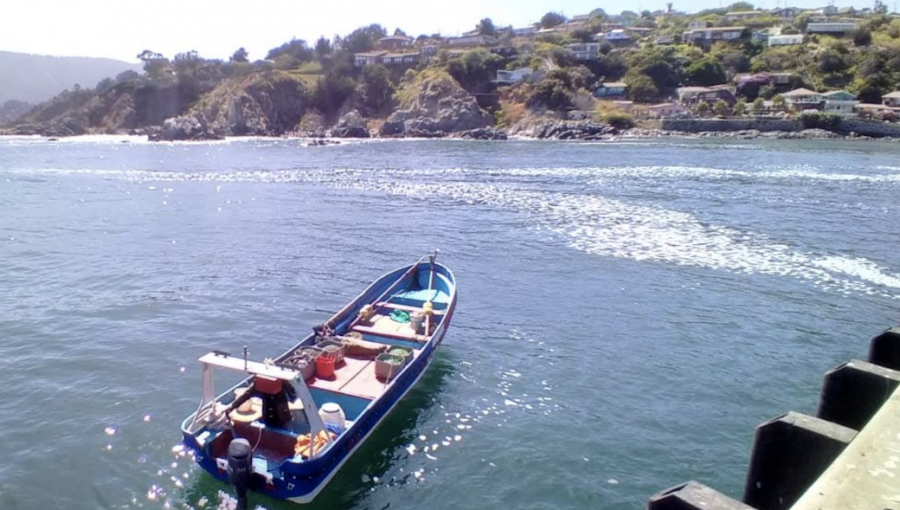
595 224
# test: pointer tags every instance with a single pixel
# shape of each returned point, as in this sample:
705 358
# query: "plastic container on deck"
403 352
333 348
387 366
332 414
325 367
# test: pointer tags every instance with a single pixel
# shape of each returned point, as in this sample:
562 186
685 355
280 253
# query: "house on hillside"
665 39
716 94
611 89
742 15
785 40
617 35
892 99
368 58
710 35
803 99
585 51
525 31
786 14
831 27
401 59
514 76
395 42
664 110
687 95
469 41
840 102
694 25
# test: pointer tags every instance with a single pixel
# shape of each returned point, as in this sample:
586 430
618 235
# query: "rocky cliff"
434 105
123 108
266 104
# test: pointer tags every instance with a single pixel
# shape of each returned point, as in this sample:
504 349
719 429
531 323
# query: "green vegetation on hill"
324 81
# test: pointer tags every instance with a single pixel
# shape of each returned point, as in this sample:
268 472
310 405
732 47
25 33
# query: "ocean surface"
628 311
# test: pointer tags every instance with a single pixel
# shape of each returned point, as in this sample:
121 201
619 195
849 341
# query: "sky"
121 29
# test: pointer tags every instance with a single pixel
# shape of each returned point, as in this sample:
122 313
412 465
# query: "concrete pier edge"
802 462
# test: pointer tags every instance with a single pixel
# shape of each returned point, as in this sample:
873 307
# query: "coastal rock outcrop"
266 104
488 133
551 129
350 125
434 105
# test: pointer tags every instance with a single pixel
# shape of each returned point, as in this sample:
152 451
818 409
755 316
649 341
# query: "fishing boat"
287 428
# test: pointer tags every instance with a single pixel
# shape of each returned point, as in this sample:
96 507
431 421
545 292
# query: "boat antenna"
245 358
433 257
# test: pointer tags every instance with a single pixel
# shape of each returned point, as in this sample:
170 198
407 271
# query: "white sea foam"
591 222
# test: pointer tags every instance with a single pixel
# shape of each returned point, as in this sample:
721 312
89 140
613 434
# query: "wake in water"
595 224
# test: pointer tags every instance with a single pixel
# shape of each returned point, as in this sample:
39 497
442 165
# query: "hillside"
36 78
599 71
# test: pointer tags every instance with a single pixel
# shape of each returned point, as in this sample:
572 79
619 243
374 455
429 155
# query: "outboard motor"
240 469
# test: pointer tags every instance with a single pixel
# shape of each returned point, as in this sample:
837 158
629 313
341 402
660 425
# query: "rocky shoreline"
353 126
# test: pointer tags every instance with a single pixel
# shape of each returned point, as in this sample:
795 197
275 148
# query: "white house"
525 31
367 58
401 59
514 76
742 15
585 51
840 102
714 34
785 40
803 98
892 99
615 35
831 27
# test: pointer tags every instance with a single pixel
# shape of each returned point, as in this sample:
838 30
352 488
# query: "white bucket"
332 413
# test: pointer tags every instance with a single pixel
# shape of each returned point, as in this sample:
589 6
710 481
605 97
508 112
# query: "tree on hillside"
290 54
552 19
740 108
323 47
702 108
550 93
741 7
486 27
240 56
704 72
861 37
399 32
474 69
641 88
155 65
736 62
759 105
597 13
778 102
720 108
128 75
364 38
831 62
375 88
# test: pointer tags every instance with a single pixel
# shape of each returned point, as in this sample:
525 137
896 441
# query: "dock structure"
847 457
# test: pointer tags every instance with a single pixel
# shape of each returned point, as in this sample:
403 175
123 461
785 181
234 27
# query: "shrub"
818 120
619 120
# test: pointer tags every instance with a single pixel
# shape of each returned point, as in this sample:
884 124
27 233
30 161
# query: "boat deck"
355 377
